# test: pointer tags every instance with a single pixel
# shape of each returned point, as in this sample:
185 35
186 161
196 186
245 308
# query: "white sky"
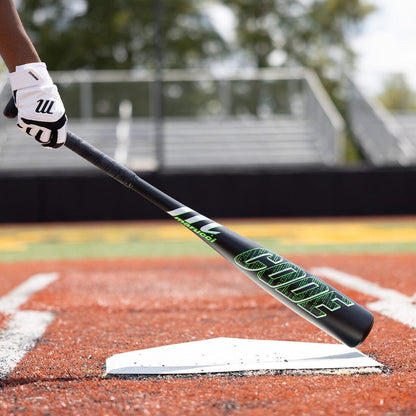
386 44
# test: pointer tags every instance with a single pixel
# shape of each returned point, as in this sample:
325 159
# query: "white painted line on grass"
392 304
24 327
17 297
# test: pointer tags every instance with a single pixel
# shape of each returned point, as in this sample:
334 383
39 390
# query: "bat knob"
10 111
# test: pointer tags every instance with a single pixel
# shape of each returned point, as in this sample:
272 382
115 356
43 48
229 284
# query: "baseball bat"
304 293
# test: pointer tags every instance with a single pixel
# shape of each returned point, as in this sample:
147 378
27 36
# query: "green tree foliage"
119 34
397 94
313 33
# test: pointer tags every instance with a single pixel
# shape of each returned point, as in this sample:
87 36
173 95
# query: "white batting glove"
41 113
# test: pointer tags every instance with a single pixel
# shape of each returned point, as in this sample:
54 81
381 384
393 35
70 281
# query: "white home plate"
220 355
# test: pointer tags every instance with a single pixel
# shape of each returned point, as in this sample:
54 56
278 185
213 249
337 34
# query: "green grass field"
166 238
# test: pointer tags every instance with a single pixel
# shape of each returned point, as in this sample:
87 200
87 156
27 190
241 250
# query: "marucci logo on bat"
294 283
205 231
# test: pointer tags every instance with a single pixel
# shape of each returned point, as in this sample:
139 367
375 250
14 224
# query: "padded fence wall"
95 197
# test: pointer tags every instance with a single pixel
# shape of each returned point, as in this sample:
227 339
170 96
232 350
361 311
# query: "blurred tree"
312 33
119 34
397 94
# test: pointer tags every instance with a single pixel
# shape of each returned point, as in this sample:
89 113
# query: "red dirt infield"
104 307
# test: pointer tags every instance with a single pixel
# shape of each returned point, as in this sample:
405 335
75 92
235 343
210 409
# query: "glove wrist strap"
29 75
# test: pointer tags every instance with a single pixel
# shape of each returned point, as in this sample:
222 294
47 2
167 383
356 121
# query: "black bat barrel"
304 293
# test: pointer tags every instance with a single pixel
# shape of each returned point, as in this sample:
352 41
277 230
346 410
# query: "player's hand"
40 111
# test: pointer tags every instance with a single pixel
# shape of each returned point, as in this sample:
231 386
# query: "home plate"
223 355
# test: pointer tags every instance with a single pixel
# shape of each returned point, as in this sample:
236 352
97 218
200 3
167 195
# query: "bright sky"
387 44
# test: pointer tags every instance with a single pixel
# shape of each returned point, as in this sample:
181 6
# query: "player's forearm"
15 46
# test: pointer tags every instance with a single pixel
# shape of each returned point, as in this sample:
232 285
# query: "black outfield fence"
96 197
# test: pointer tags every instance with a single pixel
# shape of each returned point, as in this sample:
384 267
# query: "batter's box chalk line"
24 328
226 355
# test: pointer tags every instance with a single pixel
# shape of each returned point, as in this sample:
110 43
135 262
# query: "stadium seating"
188 145
307 131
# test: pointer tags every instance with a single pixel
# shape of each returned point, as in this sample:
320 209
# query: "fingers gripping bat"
304 293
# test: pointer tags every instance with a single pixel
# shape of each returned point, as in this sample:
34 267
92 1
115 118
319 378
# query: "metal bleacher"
407 123
386 139
280 141
310 132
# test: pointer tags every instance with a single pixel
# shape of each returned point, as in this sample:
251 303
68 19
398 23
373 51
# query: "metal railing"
376 131
329 125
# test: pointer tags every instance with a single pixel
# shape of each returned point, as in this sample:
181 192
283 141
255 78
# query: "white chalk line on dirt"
24 327
391 303
18 296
